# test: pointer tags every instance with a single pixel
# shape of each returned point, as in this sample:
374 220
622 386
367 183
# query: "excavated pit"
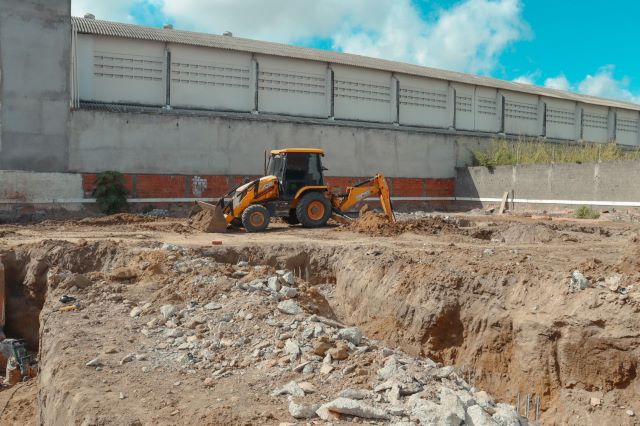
509 324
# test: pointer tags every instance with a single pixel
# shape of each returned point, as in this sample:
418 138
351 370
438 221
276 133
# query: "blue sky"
587 46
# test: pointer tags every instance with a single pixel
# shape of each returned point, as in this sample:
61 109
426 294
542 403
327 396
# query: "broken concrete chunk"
340 352
430 413
613 282
476 416
75 280
506 415
445 372
96 362
135 312
391 368
274 284
123 274
483 399
578 281
351 334
300 411
354 394
288 278
289 292
451 403
290 388
351 407
168 311
292 347
211 306
289 307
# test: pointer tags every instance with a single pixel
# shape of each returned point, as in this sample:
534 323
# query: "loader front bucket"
208 217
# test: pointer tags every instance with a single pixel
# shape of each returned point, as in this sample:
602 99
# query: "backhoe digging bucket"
208 217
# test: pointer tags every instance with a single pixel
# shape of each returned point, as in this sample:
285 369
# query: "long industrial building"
187 115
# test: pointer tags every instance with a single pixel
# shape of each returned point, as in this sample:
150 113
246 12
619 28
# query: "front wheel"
255 218
313 210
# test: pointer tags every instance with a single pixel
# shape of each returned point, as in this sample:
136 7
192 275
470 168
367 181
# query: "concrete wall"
615 183
226 144
35 47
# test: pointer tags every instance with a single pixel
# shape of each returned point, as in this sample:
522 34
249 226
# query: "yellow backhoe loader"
293 188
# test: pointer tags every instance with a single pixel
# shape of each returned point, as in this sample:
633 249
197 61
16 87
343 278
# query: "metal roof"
139 32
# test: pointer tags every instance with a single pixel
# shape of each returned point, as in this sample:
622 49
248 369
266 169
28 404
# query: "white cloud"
470 36
525 79
602 84
605 85
559 83
116 10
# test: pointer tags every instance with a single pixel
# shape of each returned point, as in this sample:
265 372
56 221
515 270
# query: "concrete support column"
579 132
451 106
395 100
637 127
611 125
167 76
542 117
253 84
500 112
329 92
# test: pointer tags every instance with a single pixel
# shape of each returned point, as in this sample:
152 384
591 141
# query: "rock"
351 407
351 334
170 247
430 413
445 372
300 411
451 403
208 382
354 394
135 312
630 413
476 416
390 368
403 423
488 252
506 415
242 264
307 387
613 282
289 292
290 388
466 398
292 348
96 362
595 402
289 307
211 306
274 284
321 348
340 352
578 281
326 369
76 280
483 399
288 278
127 358
168 311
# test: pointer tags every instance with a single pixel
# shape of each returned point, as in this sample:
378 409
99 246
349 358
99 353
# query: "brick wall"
186 186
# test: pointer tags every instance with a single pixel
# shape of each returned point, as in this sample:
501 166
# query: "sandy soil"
487 294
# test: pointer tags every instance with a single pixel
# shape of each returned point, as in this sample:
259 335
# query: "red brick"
216 186
340 184
408 187
440 187
160 186
89 183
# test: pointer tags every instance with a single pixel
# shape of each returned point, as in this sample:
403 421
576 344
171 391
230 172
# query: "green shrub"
533 151
110 192
585 212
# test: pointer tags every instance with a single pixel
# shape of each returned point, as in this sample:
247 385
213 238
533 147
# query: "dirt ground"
491 295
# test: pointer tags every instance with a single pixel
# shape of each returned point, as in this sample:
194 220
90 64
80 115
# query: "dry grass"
532 151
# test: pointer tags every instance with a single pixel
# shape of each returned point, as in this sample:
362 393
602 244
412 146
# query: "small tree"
110 192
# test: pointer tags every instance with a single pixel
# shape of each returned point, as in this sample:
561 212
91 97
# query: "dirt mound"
116 219
203 221
527 234
376 224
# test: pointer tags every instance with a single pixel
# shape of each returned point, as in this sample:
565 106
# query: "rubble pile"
315 366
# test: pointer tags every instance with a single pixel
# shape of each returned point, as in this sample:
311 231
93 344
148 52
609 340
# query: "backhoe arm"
376 186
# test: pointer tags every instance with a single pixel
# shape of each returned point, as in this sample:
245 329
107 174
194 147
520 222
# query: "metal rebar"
518 404
306 273
528 406
537 408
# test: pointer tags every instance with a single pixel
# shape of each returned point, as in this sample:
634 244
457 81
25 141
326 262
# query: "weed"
585 212
110 192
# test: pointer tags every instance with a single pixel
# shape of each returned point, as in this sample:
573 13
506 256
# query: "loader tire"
255 218
313 210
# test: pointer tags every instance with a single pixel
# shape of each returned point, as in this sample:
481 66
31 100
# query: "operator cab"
295 169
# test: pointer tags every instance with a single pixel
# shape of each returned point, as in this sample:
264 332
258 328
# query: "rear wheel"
255 218
313 210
